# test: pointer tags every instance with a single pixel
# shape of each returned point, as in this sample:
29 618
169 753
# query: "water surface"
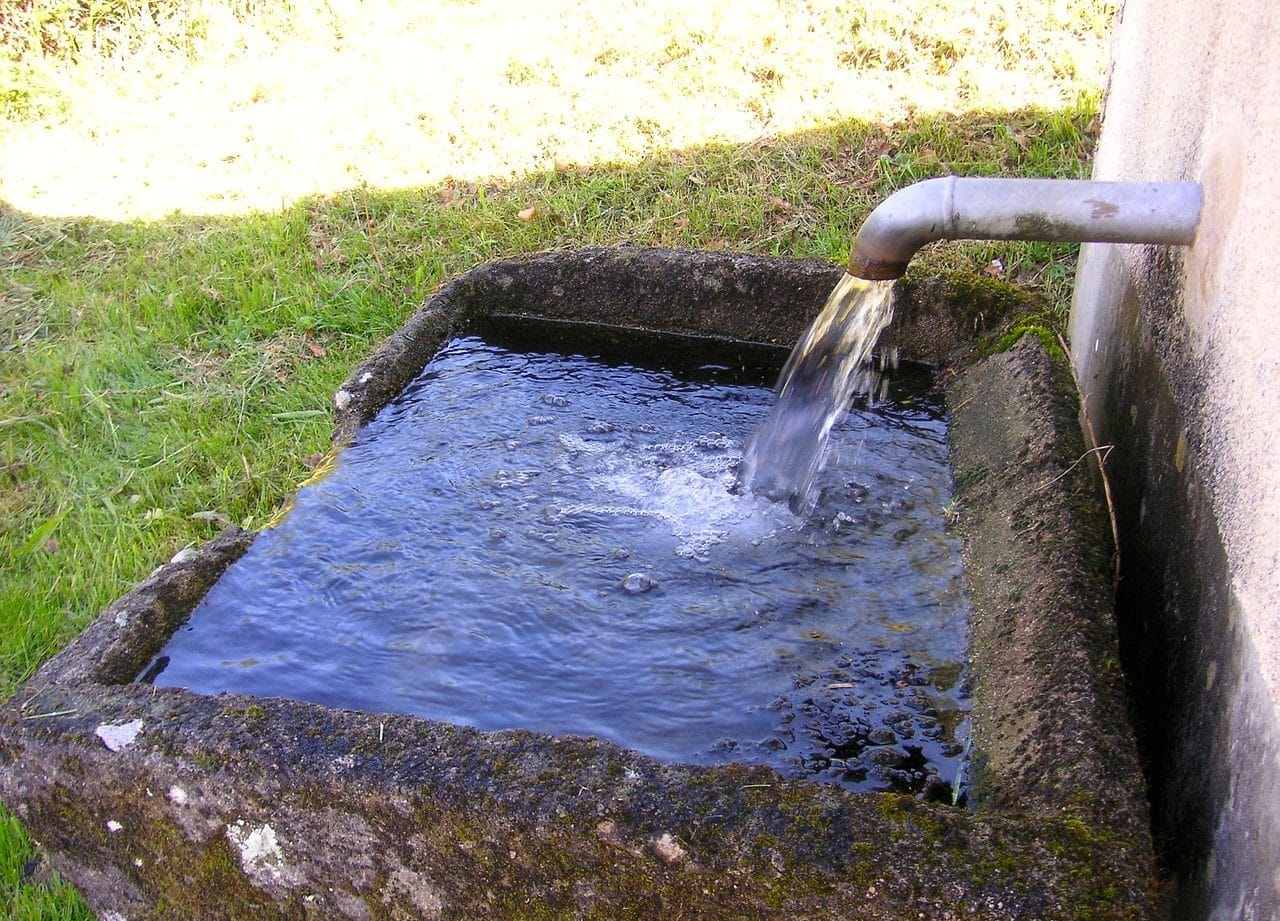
527 538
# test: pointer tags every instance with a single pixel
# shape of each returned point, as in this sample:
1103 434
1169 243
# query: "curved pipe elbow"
1050 210
900 225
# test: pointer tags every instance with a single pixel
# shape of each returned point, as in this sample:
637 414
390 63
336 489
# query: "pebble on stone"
668 849
117 736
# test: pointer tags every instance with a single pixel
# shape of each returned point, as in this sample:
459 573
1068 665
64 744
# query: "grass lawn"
211 211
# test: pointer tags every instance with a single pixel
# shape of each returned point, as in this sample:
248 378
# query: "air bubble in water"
638 583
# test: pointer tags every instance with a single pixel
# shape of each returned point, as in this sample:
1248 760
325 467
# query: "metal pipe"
1051 210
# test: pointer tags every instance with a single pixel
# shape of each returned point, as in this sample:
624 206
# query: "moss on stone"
970 295
216 886
1046 336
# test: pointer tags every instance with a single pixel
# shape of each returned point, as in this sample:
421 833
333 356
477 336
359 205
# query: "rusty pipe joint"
1049 210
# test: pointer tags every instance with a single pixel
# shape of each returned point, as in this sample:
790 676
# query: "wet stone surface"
872 742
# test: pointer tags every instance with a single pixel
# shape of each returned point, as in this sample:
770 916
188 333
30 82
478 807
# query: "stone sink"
160 803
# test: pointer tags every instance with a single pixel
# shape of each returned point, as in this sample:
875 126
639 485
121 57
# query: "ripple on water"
554 542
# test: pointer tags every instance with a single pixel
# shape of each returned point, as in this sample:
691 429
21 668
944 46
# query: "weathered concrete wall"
1177 354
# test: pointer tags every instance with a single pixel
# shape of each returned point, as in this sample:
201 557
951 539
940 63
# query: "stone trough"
161 803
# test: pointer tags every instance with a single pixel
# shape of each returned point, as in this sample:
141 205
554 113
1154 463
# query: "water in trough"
556 539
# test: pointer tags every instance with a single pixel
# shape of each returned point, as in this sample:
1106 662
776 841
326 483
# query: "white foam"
686 484
579 445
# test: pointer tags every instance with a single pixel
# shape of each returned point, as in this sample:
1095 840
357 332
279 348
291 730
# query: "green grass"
32 899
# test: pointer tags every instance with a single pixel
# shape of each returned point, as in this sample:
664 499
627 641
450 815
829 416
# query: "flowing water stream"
828 366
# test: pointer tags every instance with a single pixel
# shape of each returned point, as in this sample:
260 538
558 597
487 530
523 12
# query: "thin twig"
1102 468
1103 450
16 420
368 236
106 412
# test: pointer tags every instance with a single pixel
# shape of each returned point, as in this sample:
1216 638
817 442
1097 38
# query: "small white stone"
260 852
366 377
177 795
122 619
186 553
668 849
342 399
117 736
113 826
638 583
137 861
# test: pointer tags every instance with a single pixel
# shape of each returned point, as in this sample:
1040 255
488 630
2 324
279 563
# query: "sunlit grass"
205 108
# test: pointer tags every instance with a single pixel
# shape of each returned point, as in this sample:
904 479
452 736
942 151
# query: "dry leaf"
316 349
311 461
51 545
994 268
881 149
529 213
563 167
681 222
780 203
451 197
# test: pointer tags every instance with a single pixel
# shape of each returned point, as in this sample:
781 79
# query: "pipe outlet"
1049 210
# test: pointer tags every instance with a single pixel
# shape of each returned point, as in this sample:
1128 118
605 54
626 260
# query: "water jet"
823 372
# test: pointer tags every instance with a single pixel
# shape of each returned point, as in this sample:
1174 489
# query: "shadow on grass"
160 380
